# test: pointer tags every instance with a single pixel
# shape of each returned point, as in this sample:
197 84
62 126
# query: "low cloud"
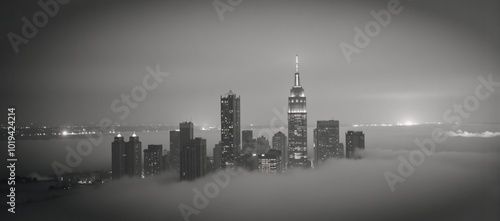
460 133
447 186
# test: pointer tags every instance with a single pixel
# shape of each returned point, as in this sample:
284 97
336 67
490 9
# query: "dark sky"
429 57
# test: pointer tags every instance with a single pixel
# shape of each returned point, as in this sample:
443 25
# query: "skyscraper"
175 148
217 157
248 161
193 159
210 165
166 160
327 141
354 140
279 143
230 128
134 156
269 163
118 157
153 160
315 141
247 135
297 124
185 133
246 139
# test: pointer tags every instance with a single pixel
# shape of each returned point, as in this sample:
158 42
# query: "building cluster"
127 158
327 145
239 149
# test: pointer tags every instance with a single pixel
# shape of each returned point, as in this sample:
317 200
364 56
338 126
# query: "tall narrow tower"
175 149
118 157
297 124
230 129
134 156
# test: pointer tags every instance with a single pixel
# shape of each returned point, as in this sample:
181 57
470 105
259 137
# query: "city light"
409 123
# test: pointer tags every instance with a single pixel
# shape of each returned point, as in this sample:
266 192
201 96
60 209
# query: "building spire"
297 79
296 63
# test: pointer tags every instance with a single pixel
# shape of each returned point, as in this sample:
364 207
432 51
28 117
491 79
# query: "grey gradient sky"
426 59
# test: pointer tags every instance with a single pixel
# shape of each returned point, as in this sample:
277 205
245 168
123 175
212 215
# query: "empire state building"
297 124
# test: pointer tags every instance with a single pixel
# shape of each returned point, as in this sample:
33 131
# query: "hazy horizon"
424 61
428 68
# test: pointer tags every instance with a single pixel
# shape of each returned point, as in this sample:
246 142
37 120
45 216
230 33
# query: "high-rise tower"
297 124
153 160
118 157
126 157
279 143
327 141
134 156
354 140
185 133
230 129
217 157
193 159
175 148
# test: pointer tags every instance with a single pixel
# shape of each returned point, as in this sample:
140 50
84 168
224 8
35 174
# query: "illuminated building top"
297 99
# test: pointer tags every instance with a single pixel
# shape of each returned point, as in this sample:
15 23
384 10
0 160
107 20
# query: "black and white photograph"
269 110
